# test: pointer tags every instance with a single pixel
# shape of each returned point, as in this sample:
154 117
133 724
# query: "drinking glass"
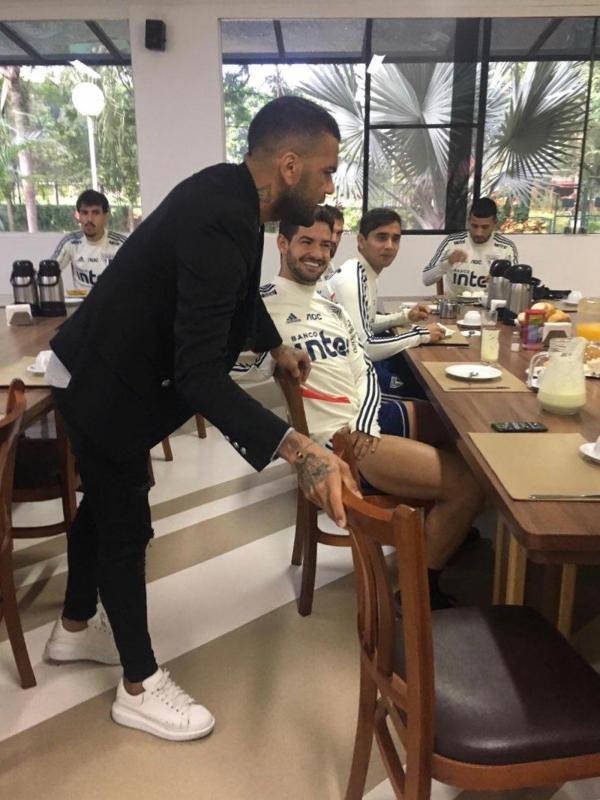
490 337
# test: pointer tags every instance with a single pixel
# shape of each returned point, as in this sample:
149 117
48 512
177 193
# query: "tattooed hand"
320 474
311 470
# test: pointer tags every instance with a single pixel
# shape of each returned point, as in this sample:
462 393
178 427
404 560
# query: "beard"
294 206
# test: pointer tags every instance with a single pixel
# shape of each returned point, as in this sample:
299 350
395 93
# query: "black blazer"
156 338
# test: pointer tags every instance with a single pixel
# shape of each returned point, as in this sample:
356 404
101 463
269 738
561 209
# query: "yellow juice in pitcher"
589 330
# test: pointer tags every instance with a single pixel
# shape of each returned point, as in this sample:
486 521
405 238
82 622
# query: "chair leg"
13 622
166 446
309 565
302 523
363 742
201 426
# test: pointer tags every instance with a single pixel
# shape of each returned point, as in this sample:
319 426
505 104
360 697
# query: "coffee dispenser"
499 285
520 295
24 286
51 290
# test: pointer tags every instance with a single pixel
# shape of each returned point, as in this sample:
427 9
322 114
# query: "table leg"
517 567
499 548
567 596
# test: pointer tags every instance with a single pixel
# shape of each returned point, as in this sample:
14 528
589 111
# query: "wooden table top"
556 532
28 340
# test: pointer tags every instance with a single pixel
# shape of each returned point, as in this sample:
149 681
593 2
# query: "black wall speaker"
156 34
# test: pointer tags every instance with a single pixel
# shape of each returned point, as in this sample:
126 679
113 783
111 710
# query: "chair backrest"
293 398
371 527
10 425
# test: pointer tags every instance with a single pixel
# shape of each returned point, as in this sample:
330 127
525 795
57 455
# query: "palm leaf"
538 132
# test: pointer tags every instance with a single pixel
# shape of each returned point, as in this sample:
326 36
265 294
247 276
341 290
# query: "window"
459 108
44 149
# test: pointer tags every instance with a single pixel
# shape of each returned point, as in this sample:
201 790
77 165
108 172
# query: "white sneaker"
94 643
163 709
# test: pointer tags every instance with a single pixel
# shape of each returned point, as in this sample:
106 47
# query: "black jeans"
107 548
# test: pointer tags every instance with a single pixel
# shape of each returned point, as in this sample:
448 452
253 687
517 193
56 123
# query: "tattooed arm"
320 474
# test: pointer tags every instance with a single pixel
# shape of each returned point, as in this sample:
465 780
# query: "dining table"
549 532
19 341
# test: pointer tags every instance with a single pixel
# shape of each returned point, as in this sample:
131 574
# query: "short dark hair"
336 212
92 198
289 117
376 217
290 229
484 207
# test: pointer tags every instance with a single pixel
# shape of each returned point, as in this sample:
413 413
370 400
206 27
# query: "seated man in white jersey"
463 260
337 227
354 286
90 250
342 391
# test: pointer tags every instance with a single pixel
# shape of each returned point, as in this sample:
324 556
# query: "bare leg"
414 469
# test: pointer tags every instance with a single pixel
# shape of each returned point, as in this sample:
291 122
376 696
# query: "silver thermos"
499 285
24 287
51 290
520 295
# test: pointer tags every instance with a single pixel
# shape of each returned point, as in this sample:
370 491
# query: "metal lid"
520 273
22 269
49 267
499 267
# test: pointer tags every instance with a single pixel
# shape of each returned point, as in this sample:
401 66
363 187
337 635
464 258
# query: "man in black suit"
151 346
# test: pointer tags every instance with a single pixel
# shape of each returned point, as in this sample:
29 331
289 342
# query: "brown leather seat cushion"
36 463
509 688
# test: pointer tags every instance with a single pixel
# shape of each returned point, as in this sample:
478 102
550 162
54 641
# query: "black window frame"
472 49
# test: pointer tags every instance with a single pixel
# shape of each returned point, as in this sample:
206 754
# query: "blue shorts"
393 420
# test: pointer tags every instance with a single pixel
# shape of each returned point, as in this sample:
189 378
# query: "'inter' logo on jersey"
324 347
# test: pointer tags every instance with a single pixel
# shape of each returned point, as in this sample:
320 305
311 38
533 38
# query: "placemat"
508 382
19 370
456 340
540 464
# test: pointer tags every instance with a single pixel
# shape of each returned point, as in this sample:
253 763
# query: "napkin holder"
19 314
552 330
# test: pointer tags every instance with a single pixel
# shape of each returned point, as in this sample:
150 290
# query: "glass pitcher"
587 321
562 382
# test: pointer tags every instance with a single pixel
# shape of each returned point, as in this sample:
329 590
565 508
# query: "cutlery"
564 496
471 386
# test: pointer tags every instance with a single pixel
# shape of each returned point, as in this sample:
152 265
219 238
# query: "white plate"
35 371
473 372
464 324
587 450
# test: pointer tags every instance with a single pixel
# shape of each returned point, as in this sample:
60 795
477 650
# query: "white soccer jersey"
354 286
342 386
87 259
470 274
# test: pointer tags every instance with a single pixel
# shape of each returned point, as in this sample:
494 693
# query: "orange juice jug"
587 319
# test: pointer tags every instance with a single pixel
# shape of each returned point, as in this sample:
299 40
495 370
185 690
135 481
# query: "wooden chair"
481 699
308 534
439 287
9 430
166 443
45 470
